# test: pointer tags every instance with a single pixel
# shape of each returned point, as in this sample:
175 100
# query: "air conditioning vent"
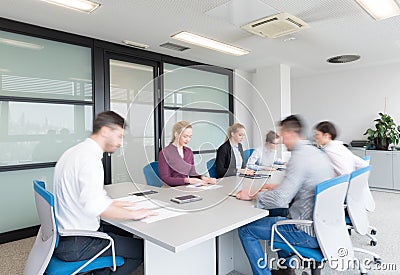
174 47
276 25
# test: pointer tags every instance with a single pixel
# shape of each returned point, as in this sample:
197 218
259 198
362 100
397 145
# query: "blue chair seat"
310 253
59 267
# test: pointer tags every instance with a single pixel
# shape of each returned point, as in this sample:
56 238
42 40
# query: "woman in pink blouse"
176 161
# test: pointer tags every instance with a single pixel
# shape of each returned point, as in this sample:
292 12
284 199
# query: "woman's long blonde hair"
233 129
179 127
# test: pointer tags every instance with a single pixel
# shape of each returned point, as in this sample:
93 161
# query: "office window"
41 132
132 96
17 204
39 68
46 106
200 95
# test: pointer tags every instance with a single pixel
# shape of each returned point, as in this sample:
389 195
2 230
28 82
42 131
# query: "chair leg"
372 230
373 241
377 258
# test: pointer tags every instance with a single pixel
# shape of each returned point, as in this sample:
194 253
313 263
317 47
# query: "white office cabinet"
382 169
358 151
396 170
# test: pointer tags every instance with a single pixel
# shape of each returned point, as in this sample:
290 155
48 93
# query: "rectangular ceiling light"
79 5
381 9
209 43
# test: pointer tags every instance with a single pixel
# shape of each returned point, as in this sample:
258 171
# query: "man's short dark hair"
108 119
292 123
327 127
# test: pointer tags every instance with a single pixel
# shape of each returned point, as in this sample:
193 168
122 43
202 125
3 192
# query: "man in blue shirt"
307 167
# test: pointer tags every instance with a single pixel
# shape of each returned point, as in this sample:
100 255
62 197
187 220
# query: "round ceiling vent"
343 58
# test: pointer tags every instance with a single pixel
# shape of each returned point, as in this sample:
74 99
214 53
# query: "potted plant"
386 132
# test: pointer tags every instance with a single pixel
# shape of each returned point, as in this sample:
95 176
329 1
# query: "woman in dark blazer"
229 161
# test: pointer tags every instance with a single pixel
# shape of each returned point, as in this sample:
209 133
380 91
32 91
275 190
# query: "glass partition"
132 96
195 86
39 68
17 203
201 96
41 132
46 106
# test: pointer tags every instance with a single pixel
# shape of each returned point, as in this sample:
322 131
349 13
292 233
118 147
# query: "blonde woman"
176 161
229 161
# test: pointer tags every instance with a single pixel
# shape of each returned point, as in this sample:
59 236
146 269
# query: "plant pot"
381 144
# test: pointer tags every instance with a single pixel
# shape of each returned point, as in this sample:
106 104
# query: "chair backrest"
47 237
212 168
329 222
369 199
247 153
355 199
152 175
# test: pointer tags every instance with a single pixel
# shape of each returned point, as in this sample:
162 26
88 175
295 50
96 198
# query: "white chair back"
43 248
356 200
329 222
369 199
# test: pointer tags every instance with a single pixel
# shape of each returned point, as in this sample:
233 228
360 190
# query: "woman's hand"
209 180
246 171
195 181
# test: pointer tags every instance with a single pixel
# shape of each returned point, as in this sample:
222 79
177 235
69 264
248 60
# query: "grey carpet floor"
386 219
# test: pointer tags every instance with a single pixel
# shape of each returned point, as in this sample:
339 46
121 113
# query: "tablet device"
186 199
256 176
143 193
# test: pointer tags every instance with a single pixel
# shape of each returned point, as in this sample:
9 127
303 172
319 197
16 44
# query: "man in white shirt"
80 200
264 157
342 159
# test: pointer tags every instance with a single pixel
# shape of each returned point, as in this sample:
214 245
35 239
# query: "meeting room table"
198 237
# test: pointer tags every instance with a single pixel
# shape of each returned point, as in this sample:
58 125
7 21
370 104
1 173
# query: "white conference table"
204 239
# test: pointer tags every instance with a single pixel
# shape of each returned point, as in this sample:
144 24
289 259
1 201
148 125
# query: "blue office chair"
247 153
328 221
41 259
212 168
357 207
152 175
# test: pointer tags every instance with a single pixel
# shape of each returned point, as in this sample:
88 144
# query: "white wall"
351 99
243 91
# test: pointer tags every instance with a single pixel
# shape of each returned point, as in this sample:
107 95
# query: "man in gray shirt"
307 167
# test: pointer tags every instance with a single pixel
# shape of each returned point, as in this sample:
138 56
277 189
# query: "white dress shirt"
78 187
262 157
238 156
342 159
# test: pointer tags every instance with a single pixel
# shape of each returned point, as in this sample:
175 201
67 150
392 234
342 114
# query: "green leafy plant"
386 132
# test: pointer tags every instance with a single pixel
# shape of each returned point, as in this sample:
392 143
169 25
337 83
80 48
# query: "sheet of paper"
132 198
163 214
205 187
149 204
